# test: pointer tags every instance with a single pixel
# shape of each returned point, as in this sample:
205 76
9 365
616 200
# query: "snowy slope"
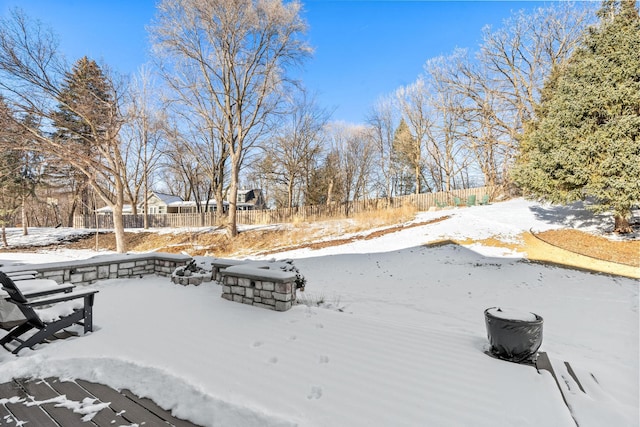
392 334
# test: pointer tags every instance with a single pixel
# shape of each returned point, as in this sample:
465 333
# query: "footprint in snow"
319 326
273 360
293 338
323 359
257 344
316 393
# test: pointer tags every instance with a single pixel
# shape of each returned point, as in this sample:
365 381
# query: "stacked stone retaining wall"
85 272
260 285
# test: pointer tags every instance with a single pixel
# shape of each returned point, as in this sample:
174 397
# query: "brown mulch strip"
625 252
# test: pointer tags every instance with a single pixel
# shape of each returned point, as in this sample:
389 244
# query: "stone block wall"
85 272
219 264
270 289
261 284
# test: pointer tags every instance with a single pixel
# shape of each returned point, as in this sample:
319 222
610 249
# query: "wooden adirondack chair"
484 200
46 329
471 200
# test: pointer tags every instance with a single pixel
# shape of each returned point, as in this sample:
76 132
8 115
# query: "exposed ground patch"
622 252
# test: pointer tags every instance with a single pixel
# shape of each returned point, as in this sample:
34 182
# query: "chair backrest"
10 287
16 295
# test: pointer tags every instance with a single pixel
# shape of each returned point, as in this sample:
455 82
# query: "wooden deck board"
125 408
133 412
6 418
41 391
105 418
151 406
35 415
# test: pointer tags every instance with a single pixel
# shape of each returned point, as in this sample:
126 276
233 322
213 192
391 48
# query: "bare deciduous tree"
414 102
295 148
448 156
383 122
240 51
354 152
185 170
31 71
142 136
513 63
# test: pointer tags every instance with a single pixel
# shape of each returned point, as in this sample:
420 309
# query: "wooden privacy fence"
421 202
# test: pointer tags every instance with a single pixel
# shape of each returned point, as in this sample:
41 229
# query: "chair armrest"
14 274
38 293
60 298
22 277
42 291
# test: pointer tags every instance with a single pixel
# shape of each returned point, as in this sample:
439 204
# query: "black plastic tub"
514 335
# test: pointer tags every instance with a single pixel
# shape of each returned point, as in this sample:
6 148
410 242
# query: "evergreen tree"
84 110
406 156
326 182
585 143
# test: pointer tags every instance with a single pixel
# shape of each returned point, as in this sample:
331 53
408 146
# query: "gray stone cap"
99 260
266 271
226 262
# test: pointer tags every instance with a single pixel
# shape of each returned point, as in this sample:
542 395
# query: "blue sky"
363 49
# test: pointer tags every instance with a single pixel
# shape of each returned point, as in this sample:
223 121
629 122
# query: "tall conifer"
83 115
585 143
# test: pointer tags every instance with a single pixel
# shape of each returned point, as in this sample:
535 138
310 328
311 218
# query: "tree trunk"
118 220
330 193
232 226
290 193
25 230
4 235
219 211
622 225
146 195
118 229
72 213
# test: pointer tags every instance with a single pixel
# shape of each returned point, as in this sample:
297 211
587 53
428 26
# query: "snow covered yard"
392 333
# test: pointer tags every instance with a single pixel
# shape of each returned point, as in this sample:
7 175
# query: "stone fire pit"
190 274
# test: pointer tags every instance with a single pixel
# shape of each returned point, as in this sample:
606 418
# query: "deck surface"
52 402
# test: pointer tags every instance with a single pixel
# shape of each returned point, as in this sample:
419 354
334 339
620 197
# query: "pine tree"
84 110
406 155
585 143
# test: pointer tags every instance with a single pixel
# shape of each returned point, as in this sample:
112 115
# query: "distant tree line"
217 109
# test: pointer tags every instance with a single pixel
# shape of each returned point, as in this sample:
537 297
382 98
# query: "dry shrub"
382 217
215 242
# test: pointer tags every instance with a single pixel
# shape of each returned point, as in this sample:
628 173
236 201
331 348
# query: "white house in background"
249 200
126 210
189 206
161 203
